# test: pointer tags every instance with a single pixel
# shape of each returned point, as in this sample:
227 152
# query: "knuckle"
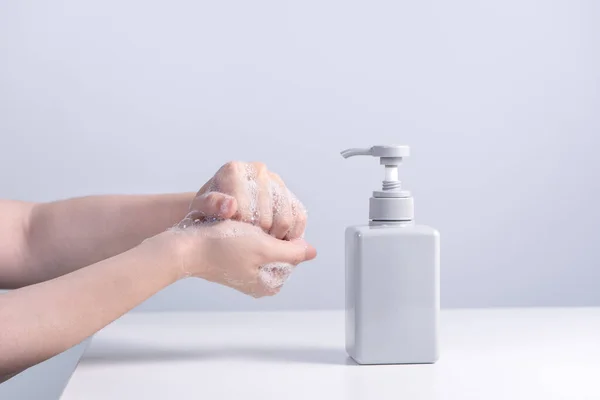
299 209
298 231
230 168
266 221
260 167
285 224
277 178
301 218
211 197
246 215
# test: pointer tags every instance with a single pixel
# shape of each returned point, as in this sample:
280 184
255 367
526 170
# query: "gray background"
499 100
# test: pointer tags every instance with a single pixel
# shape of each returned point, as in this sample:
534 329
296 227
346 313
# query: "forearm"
42 320
66 235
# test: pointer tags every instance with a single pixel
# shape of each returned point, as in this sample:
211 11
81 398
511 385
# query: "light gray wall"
499 100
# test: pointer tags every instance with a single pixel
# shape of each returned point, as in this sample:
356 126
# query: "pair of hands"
244 230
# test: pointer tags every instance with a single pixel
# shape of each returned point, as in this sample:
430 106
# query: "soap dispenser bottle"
392 275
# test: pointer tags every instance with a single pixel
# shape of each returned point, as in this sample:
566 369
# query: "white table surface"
546 353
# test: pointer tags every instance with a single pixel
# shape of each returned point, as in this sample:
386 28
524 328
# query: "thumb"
292 252
215 204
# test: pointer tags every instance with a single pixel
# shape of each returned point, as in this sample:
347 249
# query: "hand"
249 192
237 255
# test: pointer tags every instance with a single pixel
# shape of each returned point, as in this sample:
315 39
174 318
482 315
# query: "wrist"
183 202
165 249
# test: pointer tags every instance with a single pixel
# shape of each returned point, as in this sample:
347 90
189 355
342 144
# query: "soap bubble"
252 189
274 275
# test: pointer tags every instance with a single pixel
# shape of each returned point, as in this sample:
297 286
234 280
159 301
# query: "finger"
264 198
310 251
215 205
209 186
239 181
299 216
282 208
292 252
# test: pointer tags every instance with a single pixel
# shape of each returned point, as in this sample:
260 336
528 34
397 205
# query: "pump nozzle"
379 151
391 157
356 152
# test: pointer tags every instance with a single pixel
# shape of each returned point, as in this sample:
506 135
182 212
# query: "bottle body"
392 293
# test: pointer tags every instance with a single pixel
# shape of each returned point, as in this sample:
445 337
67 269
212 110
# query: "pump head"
391 203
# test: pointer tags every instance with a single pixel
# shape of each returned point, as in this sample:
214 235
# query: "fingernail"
226 205
310 251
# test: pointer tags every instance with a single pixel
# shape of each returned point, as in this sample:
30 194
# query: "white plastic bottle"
392 275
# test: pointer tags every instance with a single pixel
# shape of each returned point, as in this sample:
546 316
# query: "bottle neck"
391 208
391 223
